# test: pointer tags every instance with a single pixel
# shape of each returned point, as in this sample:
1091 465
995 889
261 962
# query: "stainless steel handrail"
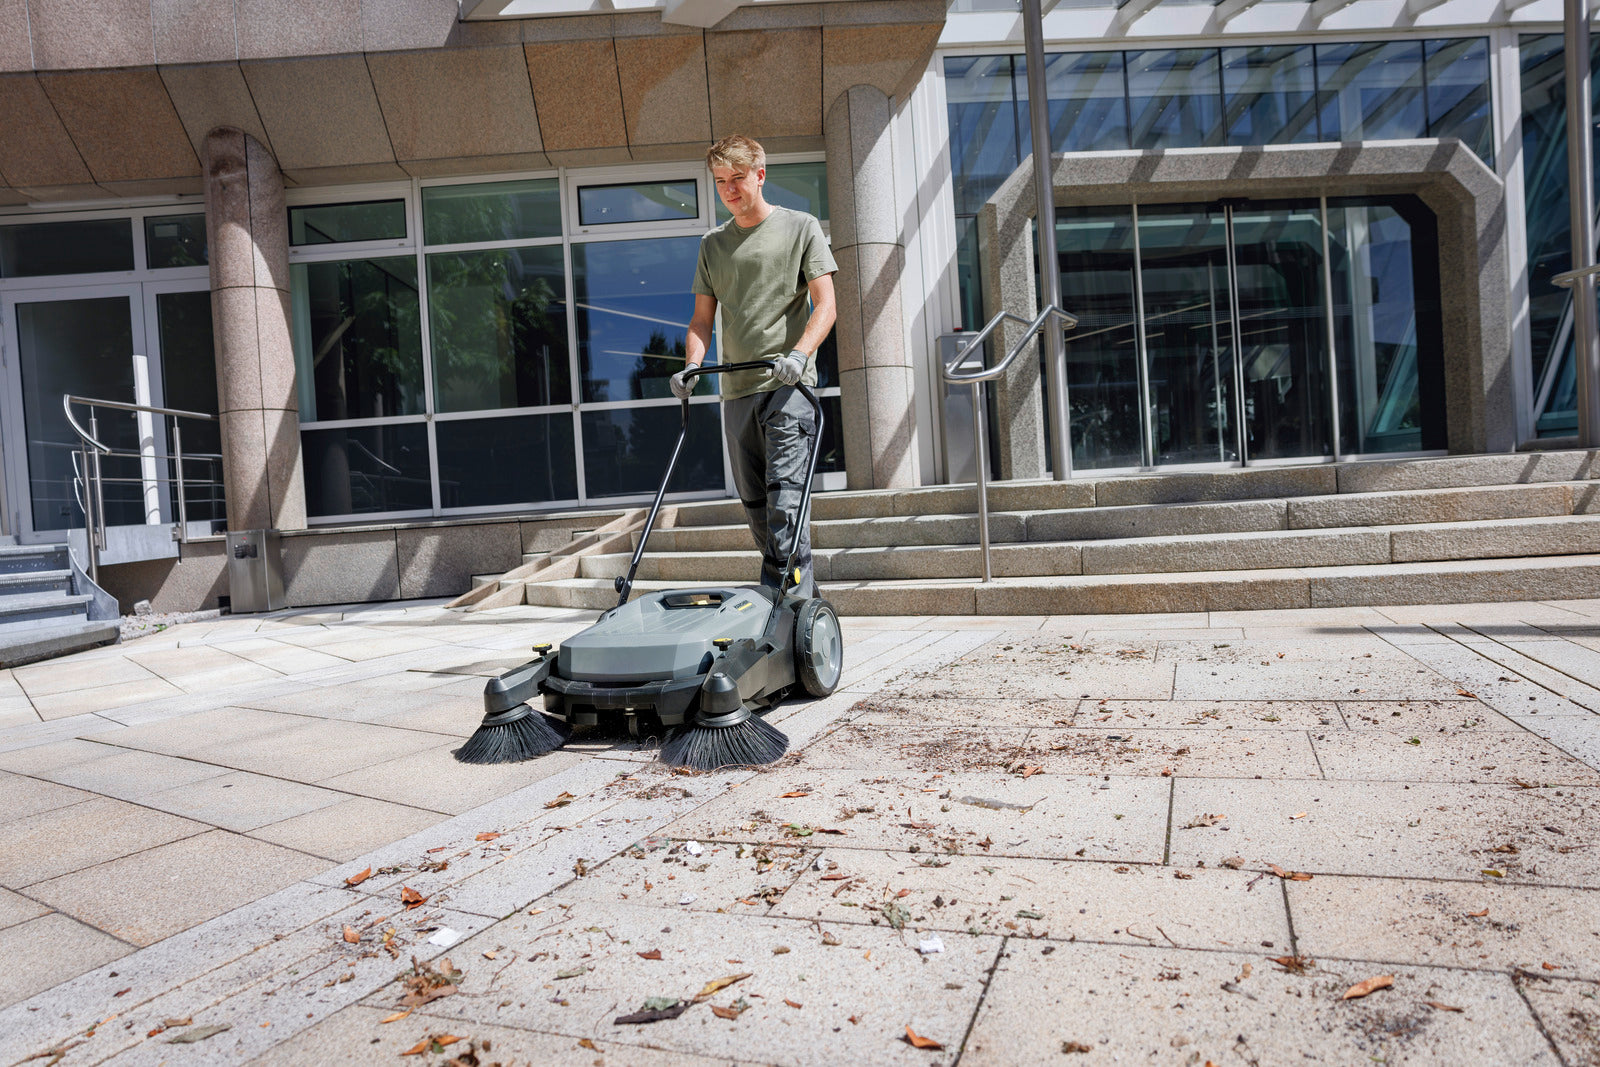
91 448
1565 279
980 407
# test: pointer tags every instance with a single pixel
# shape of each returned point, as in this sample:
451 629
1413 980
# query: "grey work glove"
681 384
788 369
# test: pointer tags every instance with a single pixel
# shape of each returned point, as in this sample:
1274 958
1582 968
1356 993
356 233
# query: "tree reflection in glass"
633 304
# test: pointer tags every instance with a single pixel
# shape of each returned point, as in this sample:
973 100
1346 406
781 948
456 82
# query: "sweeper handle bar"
623 585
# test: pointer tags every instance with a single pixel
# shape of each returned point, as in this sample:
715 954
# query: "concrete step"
35 581
45 642
23 611
17 559
1433 582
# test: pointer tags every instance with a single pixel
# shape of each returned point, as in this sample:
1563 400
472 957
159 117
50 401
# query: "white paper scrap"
444 937
692 848
930 946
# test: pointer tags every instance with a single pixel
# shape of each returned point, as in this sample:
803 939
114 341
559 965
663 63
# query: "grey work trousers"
769 444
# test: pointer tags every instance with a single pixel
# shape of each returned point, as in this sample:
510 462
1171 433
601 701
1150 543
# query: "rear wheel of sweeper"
818 647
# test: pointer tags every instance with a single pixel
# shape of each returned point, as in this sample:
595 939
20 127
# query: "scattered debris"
1368 985
930 945
358 878
199 1033
444 937
916 1040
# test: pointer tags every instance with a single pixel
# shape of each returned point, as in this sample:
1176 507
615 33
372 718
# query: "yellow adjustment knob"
722 643
543 647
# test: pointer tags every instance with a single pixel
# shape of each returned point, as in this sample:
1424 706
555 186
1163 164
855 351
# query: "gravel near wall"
135 626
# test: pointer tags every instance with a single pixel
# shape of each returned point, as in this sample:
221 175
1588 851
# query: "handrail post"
980 420
177 476
88 520
1055 376
99 489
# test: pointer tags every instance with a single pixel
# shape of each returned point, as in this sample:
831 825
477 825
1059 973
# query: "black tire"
818 647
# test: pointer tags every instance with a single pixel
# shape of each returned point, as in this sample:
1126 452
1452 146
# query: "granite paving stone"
49 679
67 839
432 779
131 775
81 701
1263 753
660 872
1275 679
1570 1014
963 711
347 829
915 748
50 949
206 735
1420 715
1450 924
319 750
21 796
15 909
188 668
1115 715
1115 1003
1445 755
240 801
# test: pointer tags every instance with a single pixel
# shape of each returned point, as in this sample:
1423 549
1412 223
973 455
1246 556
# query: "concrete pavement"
1165 838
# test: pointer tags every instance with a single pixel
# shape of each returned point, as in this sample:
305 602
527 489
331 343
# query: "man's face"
740 188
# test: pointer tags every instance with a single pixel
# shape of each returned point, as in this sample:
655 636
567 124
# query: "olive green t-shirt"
759 277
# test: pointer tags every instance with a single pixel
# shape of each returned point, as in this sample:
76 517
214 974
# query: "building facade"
427 263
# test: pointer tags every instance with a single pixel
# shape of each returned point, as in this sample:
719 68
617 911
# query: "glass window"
523 459
375 220
175 241
983 127
1270 95
1175 98
601 205
801 186
498 322
189 383
1371 91
830 450
358 338
491 211
633 308
1458 93
1088 102
34 249
354 470
1095 249
625 451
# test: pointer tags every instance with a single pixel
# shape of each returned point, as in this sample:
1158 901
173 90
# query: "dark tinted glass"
1175 98
633 308
34 249
1088 102
1371 91
600 205
358 338
1269 95
357 469
523 459
983 127
175 240
375 220
1094 247
625 452
189 383
1458 93
491 211
498 320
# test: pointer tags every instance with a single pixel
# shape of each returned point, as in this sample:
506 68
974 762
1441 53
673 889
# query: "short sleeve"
818 257
702 273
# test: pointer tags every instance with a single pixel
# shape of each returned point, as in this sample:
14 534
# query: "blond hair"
738 152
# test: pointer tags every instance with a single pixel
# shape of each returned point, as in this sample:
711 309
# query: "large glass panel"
625 451
498 322
1283 331
85 347
1175 98
357 338
189 383
491 211
373 220
969 273
633 308
1371 91
355 470
1270 94
1094 247
1458 93
1088 102
801 186
34 249
983 127
175 241
1386 323
522 459
830 451
1188 331
601 205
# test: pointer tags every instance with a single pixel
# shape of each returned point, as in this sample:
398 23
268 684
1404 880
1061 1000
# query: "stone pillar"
876 378
1010 284
247 231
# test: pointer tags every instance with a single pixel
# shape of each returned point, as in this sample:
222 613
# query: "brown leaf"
357 879
1233 862
1464 693
828 938
489 955
418 1049
1288 876
791 1003
350 935
584 1042
185 1021
1550 966
836 876
653 954
795 793
411 898
1442 1007
416 1000
720 983
829 830
1369 985
916 1040
724 1013
487 835
1293 964
1027 772
561 800
1076 1046
1477 914
396 1017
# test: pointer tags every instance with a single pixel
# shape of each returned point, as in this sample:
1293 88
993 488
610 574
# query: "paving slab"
207 735
795 1014
1262 753
1390 828
1423 715
1319 648
1114 715
1008 677
915 748
1275 679
67 839
155 893
441 707
432 779
17 711
661 872
15 908
82 701
192 668
1134 904
281 657
50 949
348 828
1122 819
317 750
1570 1014
1450 924
131 775
963 711
1446 755
67 675
21 796
1114 1003
241 801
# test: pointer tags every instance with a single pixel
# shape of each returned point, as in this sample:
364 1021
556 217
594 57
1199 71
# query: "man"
762 267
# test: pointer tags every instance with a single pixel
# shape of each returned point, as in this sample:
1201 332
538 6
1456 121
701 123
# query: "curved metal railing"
980 407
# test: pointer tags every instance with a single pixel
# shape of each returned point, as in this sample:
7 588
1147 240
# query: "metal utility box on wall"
960 448
255 571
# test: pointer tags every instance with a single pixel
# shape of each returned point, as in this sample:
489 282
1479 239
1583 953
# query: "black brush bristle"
511 742
752 743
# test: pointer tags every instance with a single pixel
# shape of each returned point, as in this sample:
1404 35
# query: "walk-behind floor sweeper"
697 664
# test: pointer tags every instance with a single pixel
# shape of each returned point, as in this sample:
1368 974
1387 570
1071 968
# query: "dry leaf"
1027 772
1550 966
418 1049
561 800
199 1033
584 1042
720 983
185 1021
828 938
1477 914
1469 696
1370 985
488 955
487 835
1299 815
1442 1007
1293 964
653 954
411 898
396 1017
795 793
791 1003
916 1040
836 876
1200 821
828 830
724 1013
1288 876
357 879
1233 862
